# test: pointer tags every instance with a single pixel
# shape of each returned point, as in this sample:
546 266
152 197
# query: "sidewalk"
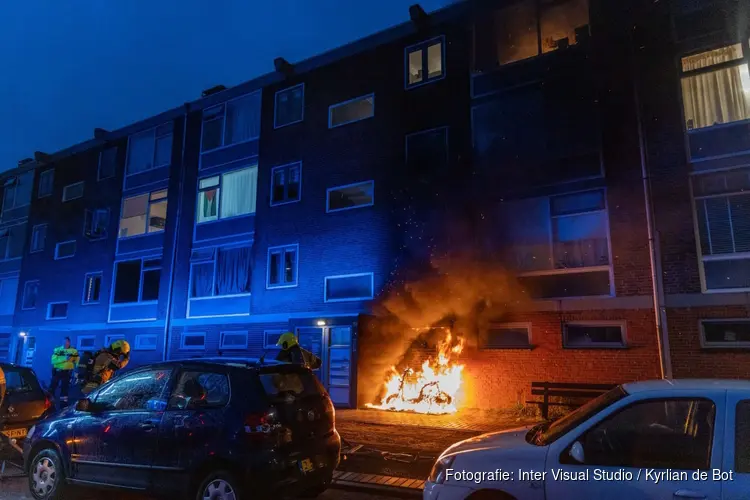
464 420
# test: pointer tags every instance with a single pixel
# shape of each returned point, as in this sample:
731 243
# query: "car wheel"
219 485
47 476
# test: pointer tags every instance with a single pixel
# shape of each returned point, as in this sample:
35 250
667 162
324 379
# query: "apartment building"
591 153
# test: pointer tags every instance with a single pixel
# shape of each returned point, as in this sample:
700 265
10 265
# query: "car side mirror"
84 405
576 452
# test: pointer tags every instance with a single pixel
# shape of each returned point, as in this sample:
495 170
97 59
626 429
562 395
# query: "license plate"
16 433
306 465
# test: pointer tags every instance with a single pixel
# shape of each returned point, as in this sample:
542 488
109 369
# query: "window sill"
98 302
276 127
222 219
222 296
355 299
725 348
136 236
328 211
426 82
128 174
596 347
529 347
56 319
192 349
144 348
566 270
234 348
288 202
281 287
718 126
135 304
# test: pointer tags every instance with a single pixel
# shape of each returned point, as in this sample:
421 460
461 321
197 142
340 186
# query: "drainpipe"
660 313
175 239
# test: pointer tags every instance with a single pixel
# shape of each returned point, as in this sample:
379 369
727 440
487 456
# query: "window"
199 390
230 123
505 336
132 392
233 340
741 437
73 191
427 154
725 333
352 111
38 238
216 272
660 434
145 213
149 149
349 287
146 342
230 194
593 335
424 62
8 291
12 242
715 87
108 163
30 295
109 339
286 183
352 196
92 288
282 266
46 183
192 340
85 342
271 338
65 250
57 310
95 223
137 280
17 191
526 29
289 106
722 204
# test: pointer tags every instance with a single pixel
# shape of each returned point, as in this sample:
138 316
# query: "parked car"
25 404
657 440
218 428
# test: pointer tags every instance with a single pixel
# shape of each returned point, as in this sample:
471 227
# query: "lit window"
352 196
149 149
144 213
230 123
351 111
285 183
289 106
282 266
227 195
424 62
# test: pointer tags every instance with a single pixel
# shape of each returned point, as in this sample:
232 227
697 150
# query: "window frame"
512 325
15 278
168 125
361 183
86 337
343 103
140 300
137 346
48 172
57 249
33 232
223 105
282 250
99 163
287 167
90 217
224 347
184 335
49 310
424 46
275 105
139 372
215 261
86 277
622 324
705 344
12 182
23 294
220 195
111 337
65 199
149 202
353 275
266 333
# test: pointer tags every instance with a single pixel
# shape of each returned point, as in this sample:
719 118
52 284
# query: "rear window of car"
295 383
18 381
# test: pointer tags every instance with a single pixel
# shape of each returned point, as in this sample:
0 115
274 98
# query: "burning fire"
430 389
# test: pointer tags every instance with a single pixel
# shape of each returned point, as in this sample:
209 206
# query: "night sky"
69 66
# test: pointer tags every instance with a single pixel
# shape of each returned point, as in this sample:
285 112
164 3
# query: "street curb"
394 486
374 488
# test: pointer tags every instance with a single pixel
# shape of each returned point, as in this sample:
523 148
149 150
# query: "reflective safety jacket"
103 368
65 359
2 389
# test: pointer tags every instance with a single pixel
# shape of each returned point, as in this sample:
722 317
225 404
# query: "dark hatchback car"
218 428
26 403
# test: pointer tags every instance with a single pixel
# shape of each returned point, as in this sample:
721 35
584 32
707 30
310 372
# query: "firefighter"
105 364
291 352
64 361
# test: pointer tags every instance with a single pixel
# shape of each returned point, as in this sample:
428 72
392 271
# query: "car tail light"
47 402
260 422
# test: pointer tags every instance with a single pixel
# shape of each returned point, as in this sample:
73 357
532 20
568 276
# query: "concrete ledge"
393 486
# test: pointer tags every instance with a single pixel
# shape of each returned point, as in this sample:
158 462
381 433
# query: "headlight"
31 432
437 475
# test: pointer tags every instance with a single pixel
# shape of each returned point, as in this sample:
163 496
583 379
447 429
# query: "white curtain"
243 119
238 192
715 97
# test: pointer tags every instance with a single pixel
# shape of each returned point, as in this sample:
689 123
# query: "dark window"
352 196
742 437
95 226
731 333
279 384
290 104
427 154
38 238
193 341
92 288
285 183
343 288
424 62
593 336
46 183
107 163
222 271
200 390
668 433
12 241
151 278
213 128
282 266
18 381
136 391
73 191
18 191
504 337
65 249
351 111
127 281
57 310
30 294
149 149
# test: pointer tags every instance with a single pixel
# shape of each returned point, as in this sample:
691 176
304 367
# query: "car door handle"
688 494
147 426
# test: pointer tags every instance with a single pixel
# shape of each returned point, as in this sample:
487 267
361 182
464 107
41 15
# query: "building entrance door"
334 348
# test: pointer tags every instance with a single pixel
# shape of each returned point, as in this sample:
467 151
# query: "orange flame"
432 388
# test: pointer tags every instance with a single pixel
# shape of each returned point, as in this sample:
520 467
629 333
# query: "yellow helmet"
120 347
287 340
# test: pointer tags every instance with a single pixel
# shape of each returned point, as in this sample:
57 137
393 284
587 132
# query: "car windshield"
548 432
17 382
